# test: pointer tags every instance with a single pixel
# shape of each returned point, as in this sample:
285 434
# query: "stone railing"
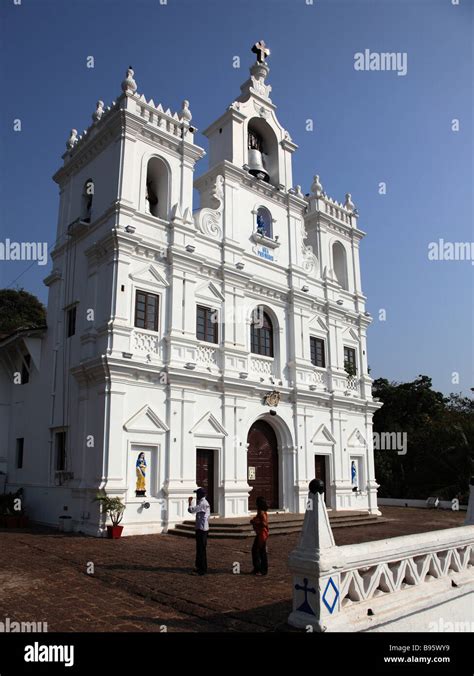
262 366
387 566
316 379
349 385
352 384
144 342
319 378
163 119
337 210
207 356
355 587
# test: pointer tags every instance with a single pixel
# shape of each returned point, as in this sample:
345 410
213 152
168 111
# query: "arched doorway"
262 464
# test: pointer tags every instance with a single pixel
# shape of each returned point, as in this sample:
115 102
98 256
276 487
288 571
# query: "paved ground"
143 583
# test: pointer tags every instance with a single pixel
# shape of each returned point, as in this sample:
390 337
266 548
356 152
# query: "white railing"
347 384
352 384
263 366
398 572
337 210
319 378
163 119
330 581
145 342
207 356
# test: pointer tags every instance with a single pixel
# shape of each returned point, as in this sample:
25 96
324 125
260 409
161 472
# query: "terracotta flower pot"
114 532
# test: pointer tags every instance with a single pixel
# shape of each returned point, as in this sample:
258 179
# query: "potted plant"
114 509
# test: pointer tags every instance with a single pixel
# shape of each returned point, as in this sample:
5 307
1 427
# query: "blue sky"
369 127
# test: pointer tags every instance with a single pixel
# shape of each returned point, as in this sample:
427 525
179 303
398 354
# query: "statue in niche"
140 489
353 473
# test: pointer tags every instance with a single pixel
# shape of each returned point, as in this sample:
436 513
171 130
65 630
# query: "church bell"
256 165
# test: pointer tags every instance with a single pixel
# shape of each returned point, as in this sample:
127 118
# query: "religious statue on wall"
140 489
353 473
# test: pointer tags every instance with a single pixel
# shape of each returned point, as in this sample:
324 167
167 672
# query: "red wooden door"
320 470
205 473
262 464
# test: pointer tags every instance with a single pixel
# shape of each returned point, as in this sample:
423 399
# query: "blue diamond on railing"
331 592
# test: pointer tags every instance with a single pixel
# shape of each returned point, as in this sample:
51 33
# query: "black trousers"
201 556
259 557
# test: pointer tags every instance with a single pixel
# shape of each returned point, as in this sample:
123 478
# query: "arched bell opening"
157 188
262 149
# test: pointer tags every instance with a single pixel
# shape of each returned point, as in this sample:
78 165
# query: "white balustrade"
410 572
371 581
263 366
145 342
207 355
319 378
352 384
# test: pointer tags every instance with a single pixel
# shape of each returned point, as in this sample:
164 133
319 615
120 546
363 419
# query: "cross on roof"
261 50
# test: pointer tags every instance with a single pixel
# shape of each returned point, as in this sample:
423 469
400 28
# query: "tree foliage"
20 310
440 441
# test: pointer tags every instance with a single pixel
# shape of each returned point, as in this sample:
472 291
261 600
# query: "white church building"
223 346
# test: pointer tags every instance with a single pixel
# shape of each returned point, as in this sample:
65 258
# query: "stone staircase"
281 523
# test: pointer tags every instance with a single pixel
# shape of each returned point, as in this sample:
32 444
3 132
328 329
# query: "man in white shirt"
202 511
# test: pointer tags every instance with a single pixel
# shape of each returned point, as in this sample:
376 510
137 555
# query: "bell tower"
249 134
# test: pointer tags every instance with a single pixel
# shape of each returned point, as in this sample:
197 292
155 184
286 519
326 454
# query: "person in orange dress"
259 547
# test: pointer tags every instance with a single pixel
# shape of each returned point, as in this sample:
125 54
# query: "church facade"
223 347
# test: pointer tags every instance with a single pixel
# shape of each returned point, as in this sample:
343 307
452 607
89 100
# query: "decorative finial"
99 111
129 86
316 187
349 204
298 191
261 50
185 113
72 140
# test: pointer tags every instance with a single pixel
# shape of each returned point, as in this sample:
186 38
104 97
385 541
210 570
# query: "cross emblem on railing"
261 50
305 607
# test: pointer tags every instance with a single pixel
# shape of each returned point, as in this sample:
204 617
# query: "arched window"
264 222
87 198
261 334
156 189
340 264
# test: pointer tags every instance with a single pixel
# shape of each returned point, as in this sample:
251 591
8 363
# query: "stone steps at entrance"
280 524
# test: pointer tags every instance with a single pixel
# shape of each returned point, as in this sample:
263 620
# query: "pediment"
146 421
323 437
353 334
316 322
208 426
357 440
209 291
149 275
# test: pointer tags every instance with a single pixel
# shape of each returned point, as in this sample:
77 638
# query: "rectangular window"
25 369
71 321
350 360
19 452
60 450
146 310
206 324
317 352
